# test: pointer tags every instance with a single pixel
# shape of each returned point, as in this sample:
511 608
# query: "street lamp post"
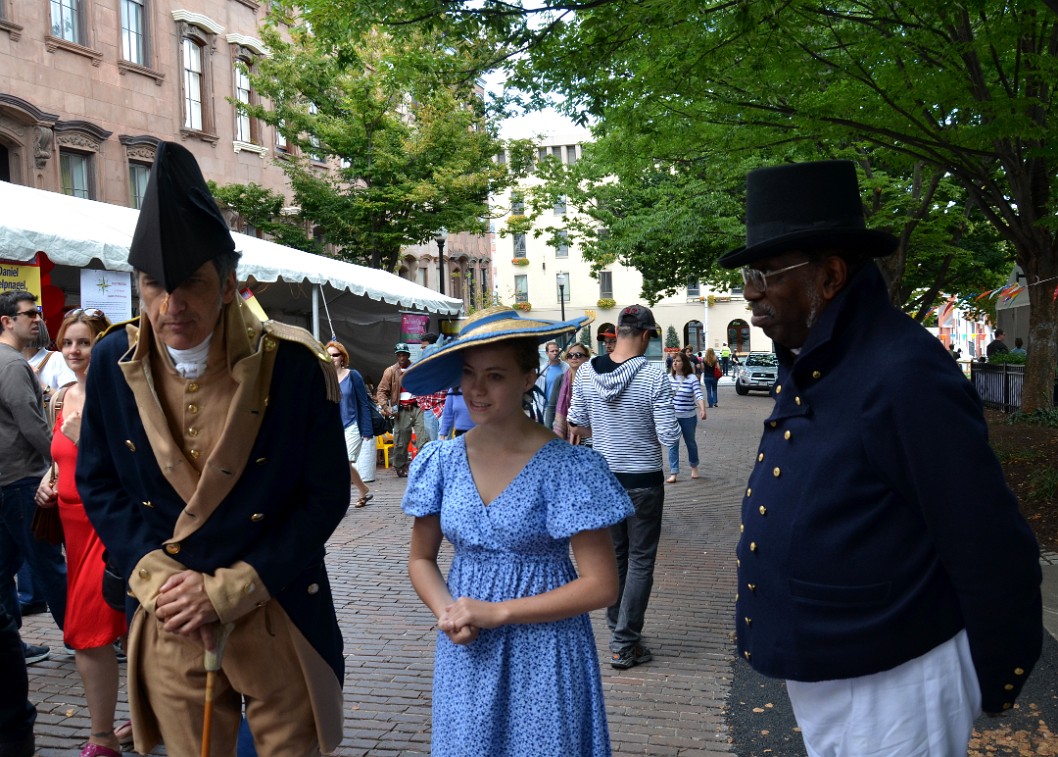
440 236
563 281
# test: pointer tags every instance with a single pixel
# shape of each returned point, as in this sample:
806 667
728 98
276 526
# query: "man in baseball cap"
396 401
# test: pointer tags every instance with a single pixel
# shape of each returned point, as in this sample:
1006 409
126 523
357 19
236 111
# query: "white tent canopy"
364 303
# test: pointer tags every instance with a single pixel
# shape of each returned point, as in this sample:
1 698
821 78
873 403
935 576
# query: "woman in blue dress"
516 670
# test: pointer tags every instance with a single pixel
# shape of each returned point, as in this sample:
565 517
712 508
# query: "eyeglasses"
576 355
89 312
31 314
759 279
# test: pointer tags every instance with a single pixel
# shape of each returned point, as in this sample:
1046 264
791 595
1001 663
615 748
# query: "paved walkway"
676 705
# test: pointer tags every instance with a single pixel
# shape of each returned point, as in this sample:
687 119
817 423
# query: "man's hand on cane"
184 607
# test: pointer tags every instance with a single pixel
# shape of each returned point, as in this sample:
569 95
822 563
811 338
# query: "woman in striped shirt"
689 404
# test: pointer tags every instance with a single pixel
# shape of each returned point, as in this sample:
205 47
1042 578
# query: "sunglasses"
577 355
335 354
89 312
31 314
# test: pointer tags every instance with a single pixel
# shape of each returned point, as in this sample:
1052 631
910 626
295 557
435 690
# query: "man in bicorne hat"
897 603
212 463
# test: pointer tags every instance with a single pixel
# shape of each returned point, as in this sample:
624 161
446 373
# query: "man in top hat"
398 402
624 403
896 603
212 463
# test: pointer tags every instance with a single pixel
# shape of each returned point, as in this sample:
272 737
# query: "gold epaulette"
298 335
120 325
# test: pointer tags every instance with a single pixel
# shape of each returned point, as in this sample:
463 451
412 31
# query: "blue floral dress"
531 689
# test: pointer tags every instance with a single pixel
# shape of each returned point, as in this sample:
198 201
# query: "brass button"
760 457
763 510
266 401
257 517
195 454
193 409
749 621
147 503
776 472
269 344
738 564
313 588
817 375
751 587
193 386
778 388
749 492
173 549
261 460
774 424
787 435
249 588
1009 687
741 528
753 546
1019 671
797 400
747 655
130 445
192 431
144 574
250 333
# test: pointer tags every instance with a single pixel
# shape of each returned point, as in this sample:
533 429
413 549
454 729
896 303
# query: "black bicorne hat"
180 226
805 206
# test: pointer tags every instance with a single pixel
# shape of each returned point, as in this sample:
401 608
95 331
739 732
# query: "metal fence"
998 385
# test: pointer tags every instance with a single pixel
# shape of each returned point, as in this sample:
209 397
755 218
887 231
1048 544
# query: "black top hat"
180 226
805 206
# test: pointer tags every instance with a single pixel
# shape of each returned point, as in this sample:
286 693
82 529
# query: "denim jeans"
17 544
17 714
432 424
687 426
636 544
710 390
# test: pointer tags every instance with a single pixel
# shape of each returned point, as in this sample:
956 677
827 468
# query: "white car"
757 371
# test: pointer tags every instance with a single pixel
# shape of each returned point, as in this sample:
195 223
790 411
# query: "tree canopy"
388 140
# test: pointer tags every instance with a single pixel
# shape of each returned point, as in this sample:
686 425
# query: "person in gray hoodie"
624 403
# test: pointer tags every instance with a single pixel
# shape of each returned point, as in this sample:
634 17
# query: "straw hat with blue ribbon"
443 368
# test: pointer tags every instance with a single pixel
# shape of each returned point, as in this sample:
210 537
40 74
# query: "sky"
547 122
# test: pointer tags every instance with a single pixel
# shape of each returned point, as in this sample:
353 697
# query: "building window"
571 154
76 171
313 139
501 158
420 276
192 85
484 285
519 245
282 144
694 289
138 174
517 204
521 288
560 205
562 291
133 32
605 284
562 250
66 21
243 94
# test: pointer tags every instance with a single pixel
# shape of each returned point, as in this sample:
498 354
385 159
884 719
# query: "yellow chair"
384 444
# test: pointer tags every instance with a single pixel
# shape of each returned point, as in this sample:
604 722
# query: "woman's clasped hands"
462 619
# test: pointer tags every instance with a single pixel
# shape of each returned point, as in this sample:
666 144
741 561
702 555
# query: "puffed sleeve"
425 482
587 496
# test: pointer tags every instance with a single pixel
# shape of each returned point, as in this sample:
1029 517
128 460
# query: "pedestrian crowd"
173 503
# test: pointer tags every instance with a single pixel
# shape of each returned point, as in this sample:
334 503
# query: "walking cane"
213 660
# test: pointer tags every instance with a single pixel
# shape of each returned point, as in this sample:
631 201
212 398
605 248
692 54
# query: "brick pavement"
674 705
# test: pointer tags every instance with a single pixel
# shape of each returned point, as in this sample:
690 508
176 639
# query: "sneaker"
630 657
34 653
68 650
119 652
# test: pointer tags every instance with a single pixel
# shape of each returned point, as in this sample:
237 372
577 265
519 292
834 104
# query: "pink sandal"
98 750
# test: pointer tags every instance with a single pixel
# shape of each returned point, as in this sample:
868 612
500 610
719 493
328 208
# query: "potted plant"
520 261
606 303
525 307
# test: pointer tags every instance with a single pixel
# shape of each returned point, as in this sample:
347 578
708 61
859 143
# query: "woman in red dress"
91 626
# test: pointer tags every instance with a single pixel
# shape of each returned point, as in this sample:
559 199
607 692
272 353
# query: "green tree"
261 208
672 340
390 143
965 88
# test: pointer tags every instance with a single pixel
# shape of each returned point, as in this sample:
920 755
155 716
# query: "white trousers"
923 708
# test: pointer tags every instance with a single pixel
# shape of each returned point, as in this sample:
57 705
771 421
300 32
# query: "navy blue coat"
291 495
876 523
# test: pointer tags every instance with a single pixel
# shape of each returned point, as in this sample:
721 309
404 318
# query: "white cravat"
190 364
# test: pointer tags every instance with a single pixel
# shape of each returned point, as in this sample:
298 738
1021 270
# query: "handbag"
717 373
380 424
46 525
